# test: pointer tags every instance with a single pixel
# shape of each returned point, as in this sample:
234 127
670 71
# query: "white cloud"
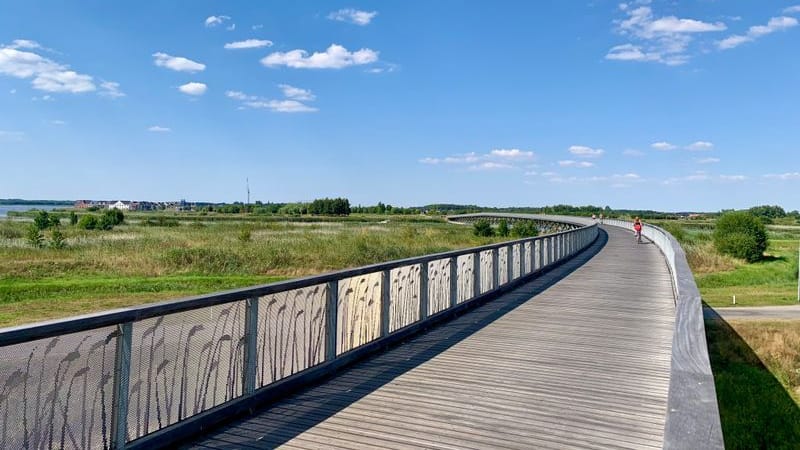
25 44
46 74
664 40
633 152
213 21
784 176
707 160
514 154
58 122
110 89
159 129
353 16
732 178
257 27
531 173
193 88
700 146
792 10
663 146
6 135
582 151
490 165
12 91
756 31
571 163
288 105
249 43
335 57
177 63
295 93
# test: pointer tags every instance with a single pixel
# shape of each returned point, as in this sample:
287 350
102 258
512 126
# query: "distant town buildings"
125 205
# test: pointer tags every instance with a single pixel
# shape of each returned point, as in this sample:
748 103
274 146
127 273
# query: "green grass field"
135 263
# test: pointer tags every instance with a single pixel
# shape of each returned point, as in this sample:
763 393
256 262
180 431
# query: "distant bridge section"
544 223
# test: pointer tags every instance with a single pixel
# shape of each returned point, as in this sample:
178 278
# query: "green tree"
88 222
34 236
482 228
524 229
57 239
42 220
742 235
73 218
502 228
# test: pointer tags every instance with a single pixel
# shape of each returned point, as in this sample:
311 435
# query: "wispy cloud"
177 63
293 103
159 129
633 152
496 158
214 21
572 163
490 165
700 146
664 40
249 43
783 176
353 16
110 89
193 88
6 135
334 57
664 146
512 154
792 10
775 24
582 151
45 74
707 160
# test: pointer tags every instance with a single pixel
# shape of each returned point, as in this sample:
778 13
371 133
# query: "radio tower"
247 180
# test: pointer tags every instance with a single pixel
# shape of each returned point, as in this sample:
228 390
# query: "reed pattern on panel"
438 285
359 311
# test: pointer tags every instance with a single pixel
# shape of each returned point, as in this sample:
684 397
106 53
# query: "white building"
120 205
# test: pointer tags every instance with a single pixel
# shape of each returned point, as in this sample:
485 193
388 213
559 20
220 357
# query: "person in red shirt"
637 228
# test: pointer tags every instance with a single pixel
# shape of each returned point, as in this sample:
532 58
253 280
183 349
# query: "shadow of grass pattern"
755 409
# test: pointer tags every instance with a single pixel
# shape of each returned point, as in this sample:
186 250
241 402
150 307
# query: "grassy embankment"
135 263
756 363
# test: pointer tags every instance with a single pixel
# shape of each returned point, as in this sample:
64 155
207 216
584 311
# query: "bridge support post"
453 281
122 376
386 293
331 320
250 344
509 263
476 274
423 291
495 268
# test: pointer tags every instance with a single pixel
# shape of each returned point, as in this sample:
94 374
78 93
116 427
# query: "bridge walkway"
579 357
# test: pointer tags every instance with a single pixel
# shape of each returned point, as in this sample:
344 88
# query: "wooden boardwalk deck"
577 358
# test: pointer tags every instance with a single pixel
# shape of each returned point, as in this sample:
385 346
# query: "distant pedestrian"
594 218
601 218
637 229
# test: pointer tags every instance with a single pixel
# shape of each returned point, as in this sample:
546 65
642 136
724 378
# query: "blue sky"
641 104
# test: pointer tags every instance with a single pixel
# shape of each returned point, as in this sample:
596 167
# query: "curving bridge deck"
578 357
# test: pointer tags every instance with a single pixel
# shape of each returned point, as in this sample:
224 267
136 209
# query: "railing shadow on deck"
286 419
755 409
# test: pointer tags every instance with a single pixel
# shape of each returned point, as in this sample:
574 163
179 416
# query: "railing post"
495 268
331 320
250 344
122 376
386 293
523 260
423 291
453 281
539 253
509 263
476 274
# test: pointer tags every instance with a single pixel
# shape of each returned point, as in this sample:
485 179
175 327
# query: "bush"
524 229
57 240
741 235
115 216
34 236
42 220
245 235
502 228
483 228
88 222
73 218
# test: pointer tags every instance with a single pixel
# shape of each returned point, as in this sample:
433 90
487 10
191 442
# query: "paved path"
577 358
754 312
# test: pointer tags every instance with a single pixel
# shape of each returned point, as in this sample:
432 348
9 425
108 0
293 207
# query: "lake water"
4 209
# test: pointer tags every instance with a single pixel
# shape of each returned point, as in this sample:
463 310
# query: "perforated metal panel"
183 364
438 285
359 311
465 277
291 332
58 392
404 297
487 271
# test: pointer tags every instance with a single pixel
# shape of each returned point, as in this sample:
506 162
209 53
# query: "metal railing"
150 375
693 419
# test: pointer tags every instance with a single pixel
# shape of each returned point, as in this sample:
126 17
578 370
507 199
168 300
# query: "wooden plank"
578 357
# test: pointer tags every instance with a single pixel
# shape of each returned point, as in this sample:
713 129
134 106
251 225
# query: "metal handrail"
124 357
693 419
